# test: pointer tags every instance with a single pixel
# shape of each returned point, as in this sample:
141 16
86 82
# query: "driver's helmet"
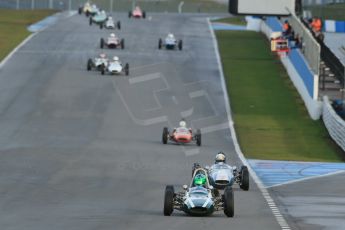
102 55
116 58
110 18
112 35
183 123
199 180
220 157
102 12
170 35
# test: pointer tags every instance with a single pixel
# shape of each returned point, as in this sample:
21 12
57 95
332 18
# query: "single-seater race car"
181 134
110 24
115 67
97 63
137 13
88 9
170 43
222 175
200 198
99 19
112 42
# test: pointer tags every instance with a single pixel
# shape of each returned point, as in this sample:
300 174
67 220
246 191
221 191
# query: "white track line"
307 178
280 219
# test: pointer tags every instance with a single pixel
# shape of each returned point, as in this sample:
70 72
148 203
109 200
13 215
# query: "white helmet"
102 55
112 35
170 35
110 18
220 157
116 58
182 123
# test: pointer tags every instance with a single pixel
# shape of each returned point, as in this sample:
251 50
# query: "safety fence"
334 26
334 124
200 6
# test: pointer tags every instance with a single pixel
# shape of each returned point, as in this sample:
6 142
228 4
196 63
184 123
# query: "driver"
220 158
103 58
116 60
112 37
182 124
199 180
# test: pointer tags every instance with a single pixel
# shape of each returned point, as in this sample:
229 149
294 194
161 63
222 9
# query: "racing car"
97 63
181 134
222 175
199 199
170 43
100 18
115 67
110 24
112 42
88 9
137 13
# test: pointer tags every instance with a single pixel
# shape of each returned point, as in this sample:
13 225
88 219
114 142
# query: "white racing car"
170 43
110 24
112 42
97 63
115 67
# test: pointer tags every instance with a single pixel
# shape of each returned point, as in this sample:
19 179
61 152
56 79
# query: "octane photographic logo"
164 97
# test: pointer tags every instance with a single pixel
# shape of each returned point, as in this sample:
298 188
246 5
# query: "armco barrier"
334 26
334 124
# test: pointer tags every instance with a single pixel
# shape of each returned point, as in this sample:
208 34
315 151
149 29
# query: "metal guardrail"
334 124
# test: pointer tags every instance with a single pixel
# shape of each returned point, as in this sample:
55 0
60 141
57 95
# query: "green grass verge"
241 21
13 27
270 118
329 11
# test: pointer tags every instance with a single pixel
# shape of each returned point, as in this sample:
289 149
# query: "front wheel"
101 25
118 24
244 183
90 21
103 69
129 14
169 200
165 135
198 137
180 44
160 43
122 43
102 43
228 202
144 14
89 64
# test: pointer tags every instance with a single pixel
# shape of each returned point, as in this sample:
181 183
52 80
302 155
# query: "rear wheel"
144 14
90 21
101 25
118 24
165 135
122 43
102 43
244 183
129 14
127 69
89 64
180 44
103 69
160 43
80 10
198 137
228 202
169 200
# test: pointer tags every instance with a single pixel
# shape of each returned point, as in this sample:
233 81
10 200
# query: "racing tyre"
102 69
180 44
87 13
144 14
198 137
101 26
165 135
118 25
80 10
127 69
244 183
102 43
160 43
129 14
169 200
228 201
89 64
90 21
122 43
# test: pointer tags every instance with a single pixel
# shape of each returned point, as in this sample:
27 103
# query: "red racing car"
181 135
137 13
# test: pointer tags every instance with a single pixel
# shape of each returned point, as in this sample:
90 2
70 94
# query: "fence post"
50 4
32 4
111 6
17 5
69 5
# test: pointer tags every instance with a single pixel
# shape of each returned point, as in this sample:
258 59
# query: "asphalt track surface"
83 151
